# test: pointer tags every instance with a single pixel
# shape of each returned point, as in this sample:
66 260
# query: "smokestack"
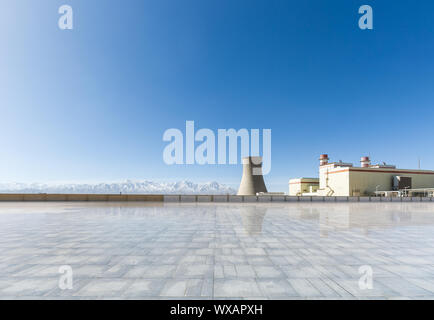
365 162
252 181
323 159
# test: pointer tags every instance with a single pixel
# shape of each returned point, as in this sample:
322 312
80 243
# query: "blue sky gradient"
92 104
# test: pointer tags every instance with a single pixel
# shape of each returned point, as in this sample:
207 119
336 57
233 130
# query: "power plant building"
343 179
303 186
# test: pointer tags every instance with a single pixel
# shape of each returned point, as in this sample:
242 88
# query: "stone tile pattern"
217 251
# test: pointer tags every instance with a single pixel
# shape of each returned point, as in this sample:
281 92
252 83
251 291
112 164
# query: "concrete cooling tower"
252 181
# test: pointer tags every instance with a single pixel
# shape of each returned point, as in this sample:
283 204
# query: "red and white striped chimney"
323 159
365 162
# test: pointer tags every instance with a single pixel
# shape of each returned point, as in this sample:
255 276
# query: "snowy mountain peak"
127 187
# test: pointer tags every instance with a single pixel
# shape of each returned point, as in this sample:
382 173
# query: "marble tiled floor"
217 251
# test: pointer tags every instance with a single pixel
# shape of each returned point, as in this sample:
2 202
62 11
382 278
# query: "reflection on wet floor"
205 251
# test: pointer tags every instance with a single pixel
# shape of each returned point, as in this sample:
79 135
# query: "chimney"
365 162
323 159
252 181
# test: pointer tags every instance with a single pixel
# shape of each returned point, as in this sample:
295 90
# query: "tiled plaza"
217 250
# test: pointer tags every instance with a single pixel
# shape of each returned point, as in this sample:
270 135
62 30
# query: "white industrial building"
343 179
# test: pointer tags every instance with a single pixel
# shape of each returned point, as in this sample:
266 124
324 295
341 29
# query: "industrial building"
343 179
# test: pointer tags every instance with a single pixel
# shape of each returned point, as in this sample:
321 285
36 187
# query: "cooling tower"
252 181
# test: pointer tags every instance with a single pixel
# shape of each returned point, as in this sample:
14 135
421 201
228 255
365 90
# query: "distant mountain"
127 187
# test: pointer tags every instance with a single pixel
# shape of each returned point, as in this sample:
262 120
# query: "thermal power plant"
344 179
252 181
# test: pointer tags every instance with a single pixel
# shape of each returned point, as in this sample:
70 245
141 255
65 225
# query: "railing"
200 198
273 198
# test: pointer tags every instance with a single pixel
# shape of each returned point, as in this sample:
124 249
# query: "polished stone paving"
217 251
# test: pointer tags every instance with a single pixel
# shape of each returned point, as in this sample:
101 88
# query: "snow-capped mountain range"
127 187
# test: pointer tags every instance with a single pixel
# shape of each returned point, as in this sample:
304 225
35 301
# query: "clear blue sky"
92 104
